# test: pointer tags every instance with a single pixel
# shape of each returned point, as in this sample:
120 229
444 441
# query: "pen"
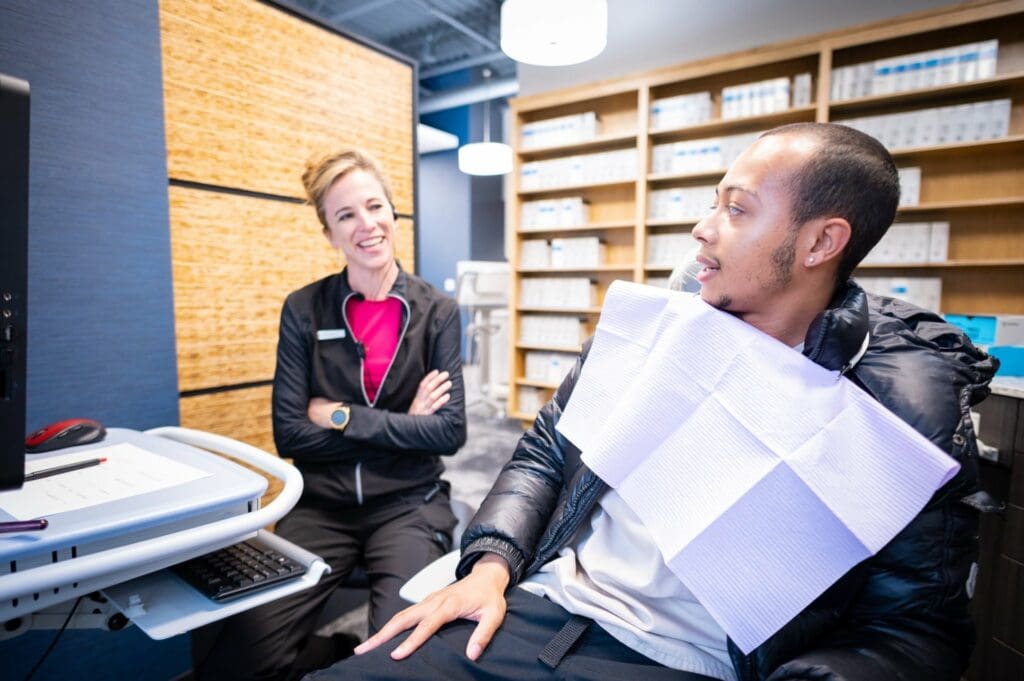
24 525
67 468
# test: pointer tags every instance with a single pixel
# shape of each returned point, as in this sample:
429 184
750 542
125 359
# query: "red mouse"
66 433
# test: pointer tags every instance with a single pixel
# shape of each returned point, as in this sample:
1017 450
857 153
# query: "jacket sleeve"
441 433
295 436
517 510
910 619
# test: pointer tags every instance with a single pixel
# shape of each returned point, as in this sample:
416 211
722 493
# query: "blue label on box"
1011 359
981 329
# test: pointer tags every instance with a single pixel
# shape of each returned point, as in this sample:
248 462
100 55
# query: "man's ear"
827 240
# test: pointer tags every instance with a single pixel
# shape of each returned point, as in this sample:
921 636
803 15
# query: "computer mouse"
66 433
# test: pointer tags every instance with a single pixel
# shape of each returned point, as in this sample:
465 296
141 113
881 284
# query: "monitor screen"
14 129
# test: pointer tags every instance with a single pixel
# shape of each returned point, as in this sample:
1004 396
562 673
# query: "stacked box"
755 99
680 203
570 211
548 367
530 399
975 122
668 250
553 330
557 293
802 89
947 66
606 166
911 242
578 252
680 111
924 292
695 156
534 253
558 131
910 186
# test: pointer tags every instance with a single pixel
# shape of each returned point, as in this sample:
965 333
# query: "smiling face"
748 242
360 221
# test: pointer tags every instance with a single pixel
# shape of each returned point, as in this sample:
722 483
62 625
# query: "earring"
810 261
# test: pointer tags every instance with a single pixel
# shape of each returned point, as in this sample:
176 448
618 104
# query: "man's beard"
782 260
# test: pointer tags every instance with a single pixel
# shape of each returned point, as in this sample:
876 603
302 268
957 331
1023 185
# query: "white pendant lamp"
553 32
487 157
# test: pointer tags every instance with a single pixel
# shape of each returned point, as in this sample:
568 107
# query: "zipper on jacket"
359 483
567 528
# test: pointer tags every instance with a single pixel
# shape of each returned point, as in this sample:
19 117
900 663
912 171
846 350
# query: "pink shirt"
375 325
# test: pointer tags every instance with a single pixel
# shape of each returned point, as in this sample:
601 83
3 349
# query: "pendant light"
553 33
487 157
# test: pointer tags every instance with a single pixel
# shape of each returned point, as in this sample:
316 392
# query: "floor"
489 444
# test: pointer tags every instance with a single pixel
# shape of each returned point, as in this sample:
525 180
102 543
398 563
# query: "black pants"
530 625
391 538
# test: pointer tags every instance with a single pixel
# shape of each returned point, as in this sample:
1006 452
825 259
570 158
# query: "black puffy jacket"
901 614
383 449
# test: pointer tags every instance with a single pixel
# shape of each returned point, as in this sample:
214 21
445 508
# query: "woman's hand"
479 596
432 394
319 411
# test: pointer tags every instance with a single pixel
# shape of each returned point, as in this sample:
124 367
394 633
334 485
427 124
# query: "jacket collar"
399 288
836 337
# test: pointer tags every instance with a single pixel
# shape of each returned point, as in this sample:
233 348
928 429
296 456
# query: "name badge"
330 334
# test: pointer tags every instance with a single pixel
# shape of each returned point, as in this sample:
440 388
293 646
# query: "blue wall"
444 235
100 308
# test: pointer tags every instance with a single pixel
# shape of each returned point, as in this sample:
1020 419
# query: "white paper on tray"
762 476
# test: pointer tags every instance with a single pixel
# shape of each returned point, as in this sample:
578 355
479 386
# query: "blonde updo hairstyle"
321 174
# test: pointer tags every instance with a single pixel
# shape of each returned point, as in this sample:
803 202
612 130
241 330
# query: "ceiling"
443 36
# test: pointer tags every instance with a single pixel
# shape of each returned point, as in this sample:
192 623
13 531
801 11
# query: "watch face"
338 417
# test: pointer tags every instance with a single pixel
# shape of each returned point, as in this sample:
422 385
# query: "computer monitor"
14 130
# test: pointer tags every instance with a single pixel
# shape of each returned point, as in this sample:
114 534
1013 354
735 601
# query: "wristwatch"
340 416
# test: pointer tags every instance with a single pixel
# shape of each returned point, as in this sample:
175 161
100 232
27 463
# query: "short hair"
851 175
321 174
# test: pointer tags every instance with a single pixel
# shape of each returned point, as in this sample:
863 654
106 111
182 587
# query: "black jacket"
383 449
902 614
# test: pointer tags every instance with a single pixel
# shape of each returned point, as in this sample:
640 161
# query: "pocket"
438 516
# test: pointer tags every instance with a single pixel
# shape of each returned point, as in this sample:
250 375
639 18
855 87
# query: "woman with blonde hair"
367 396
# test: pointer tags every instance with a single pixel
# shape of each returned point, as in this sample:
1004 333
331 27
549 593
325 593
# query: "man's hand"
479 596
432 394
319 411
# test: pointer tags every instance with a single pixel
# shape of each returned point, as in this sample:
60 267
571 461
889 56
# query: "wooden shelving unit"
978 187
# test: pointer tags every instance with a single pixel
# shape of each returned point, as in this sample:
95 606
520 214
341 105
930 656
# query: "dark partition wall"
101 323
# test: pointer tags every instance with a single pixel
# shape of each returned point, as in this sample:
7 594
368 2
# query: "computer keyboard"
237 570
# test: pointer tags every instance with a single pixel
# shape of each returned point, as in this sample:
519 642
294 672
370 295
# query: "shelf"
536 384
995 262
577 228
564 310
1002 144
572 187
521 416
910 96
548 348
584 270
1004 202
718 125
672 222
975 186
676 177
599 142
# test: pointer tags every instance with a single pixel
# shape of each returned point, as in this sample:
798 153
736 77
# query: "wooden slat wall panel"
245 414
235 258
251 93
